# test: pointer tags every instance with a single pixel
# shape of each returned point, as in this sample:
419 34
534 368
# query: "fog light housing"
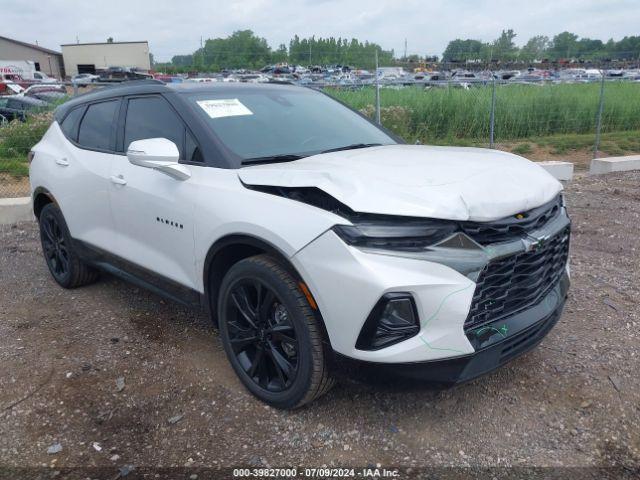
393 319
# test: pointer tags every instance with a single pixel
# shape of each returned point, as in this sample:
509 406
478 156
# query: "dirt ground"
572 402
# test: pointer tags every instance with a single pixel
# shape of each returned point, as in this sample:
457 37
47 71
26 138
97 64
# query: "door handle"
118 180
63 162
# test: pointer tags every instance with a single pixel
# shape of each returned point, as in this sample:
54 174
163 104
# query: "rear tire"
66 267
271 335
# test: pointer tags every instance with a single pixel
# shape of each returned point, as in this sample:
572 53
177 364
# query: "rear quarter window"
69 125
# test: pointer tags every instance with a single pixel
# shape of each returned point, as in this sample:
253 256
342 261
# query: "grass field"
522 111
16 139
15 167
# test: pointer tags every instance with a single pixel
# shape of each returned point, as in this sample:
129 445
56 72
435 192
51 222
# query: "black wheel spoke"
263 373
278 369
283 333
265 304
60 264
48 231
241 343
240 329
280 361
257 360
48 247
241 301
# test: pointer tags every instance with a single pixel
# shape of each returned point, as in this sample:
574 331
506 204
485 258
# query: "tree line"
564 46
244 49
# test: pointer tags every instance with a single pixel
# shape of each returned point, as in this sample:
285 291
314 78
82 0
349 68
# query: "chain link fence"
542 120
573 119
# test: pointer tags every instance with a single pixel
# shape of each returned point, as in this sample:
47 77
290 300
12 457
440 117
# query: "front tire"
64 263
271 335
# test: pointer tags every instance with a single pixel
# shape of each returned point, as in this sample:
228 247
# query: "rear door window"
97 124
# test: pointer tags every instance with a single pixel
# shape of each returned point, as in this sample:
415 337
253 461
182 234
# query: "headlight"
405 236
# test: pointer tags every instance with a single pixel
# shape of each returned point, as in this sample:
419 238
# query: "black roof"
214 152
140 87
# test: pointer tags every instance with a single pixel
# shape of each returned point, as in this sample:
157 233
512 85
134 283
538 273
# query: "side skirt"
140 276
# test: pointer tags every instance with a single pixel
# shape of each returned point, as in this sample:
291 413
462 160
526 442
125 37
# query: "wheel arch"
229 250
42 197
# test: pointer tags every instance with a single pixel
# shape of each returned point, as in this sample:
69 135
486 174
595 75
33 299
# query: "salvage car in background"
85 79
18 107
305 230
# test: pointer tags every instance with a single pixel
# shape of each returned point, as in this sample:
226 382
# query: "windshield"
287 123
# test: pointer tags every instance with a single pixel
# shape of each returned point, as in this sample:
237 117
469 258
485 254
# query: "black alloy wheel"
66 267
55 247
273 338
262 337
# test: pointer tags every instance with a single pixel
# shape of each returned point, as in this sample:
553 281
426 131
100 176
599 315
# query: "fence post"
596 146
492 114
377 92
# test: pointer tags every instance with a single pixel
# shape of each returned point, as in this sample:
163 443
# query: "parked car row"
347 76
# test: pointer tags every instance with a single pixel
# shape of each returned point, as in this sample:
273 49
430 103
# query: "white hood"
419 181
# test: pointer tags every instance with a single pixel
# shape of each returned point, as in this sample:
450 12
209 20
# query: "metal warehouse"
45 60
89 57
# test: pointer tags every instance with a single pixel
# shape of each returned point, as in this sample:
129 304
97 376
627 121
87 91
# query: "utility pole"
405 49
201 51
377 92
596 146
309 52
492 114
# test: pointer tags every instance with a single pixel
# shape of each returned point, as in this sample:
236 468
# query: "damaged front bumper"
508 339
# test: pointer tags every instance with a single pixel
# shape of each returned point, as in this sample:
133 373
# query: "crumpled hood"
419 181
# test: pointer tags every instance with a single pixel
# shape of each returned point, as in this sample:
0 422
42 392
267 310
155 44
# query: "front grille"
513 283
512 228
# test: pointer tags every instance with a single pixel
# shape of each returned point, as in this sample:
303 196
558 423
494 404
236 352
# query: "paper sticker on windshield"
230 107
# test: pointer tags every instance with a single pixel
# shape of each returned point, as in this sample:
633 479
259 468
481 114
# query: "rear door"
153 212
82 168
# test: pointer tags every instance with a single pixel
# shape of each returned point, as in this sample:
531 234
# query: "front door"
153 212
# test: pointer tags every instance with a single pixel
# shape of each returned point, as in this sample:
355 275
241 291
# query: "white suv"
309 234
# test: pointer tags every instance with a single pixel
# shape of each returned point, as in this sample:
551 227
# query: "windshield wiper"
352 147
287 157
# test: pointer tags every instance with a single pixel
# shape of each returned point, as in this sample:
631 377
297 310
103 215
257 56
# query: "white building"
44 60
89 57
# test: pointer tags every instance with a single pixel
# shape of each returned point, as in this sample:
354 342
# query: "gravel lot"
574 401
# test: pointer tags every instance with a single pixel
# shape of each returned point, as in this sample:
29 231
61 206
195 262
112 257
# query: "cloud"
176 27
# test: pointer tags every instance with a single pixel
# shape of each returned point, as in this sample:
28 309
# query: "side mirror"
160 154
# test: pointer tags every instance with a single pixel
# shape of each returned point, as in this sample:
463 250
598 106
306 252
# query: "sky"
174 27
